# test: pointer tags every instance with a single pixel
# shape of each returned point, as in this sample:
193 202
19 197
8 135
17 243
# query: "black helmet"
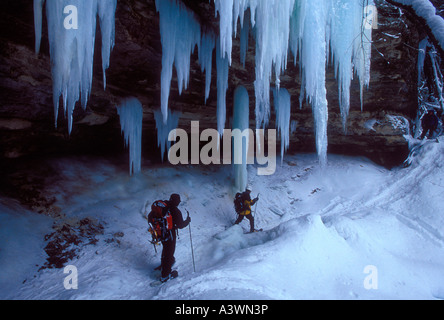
175 200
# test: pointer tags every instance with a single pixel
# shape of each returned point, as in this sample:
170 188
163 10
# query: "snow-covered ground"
322 229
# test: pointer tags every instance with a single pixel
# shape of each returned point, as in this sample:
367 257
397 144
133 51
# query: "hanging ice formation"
72 46
131 116
241 121
180 33
244 42
206 59
272 24
350 45
309 29
222 64
282 105
163 129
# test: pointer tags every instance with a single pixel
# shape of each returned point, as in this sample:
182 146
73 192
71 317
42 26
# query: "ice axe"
191 242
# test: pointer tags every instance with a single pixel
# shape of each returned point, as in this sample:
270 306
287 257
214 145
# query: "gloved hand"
188 219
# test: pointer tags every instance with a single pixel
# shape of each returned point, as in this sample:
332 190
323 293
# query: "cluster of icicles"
316 33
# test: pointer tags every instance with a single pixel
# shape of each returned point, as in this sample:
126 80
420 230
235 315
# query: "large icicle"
282 105
180 33
206 49
351 46
225 9
164 129
222 65
245 32
272 25
363 44
312 23
344 26
307 28
38 22
72 46
241 121
131 116
107 26
271 19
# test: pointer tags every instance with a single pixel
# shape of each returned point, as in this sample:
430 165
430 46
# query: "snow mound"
233 240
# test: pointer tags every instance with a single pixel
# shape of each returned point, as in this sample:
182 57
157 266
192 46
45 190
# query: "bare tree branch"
420 22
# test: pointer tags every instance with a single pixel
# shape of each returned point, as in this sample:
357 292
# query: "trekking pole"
191 242
255 210
255 207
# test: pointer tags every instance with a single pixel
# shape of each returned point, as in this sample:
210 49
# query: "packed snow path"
321 230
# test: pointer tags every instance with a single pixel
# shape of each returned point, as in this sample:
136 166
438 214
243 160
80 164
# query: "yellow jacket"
247 205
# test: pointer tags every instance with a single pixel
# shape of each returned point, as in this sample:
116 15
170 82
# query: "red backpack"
161 224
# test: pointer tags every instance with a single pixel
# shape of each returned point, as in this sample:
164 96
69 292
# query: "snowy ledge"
424 9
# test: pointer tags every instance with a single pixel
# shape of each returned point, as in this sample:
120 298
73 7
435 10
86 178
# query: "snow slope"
322 228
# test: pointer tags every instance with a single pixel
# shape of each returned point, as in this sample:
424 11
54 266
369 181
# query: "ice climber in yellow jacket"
246 209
